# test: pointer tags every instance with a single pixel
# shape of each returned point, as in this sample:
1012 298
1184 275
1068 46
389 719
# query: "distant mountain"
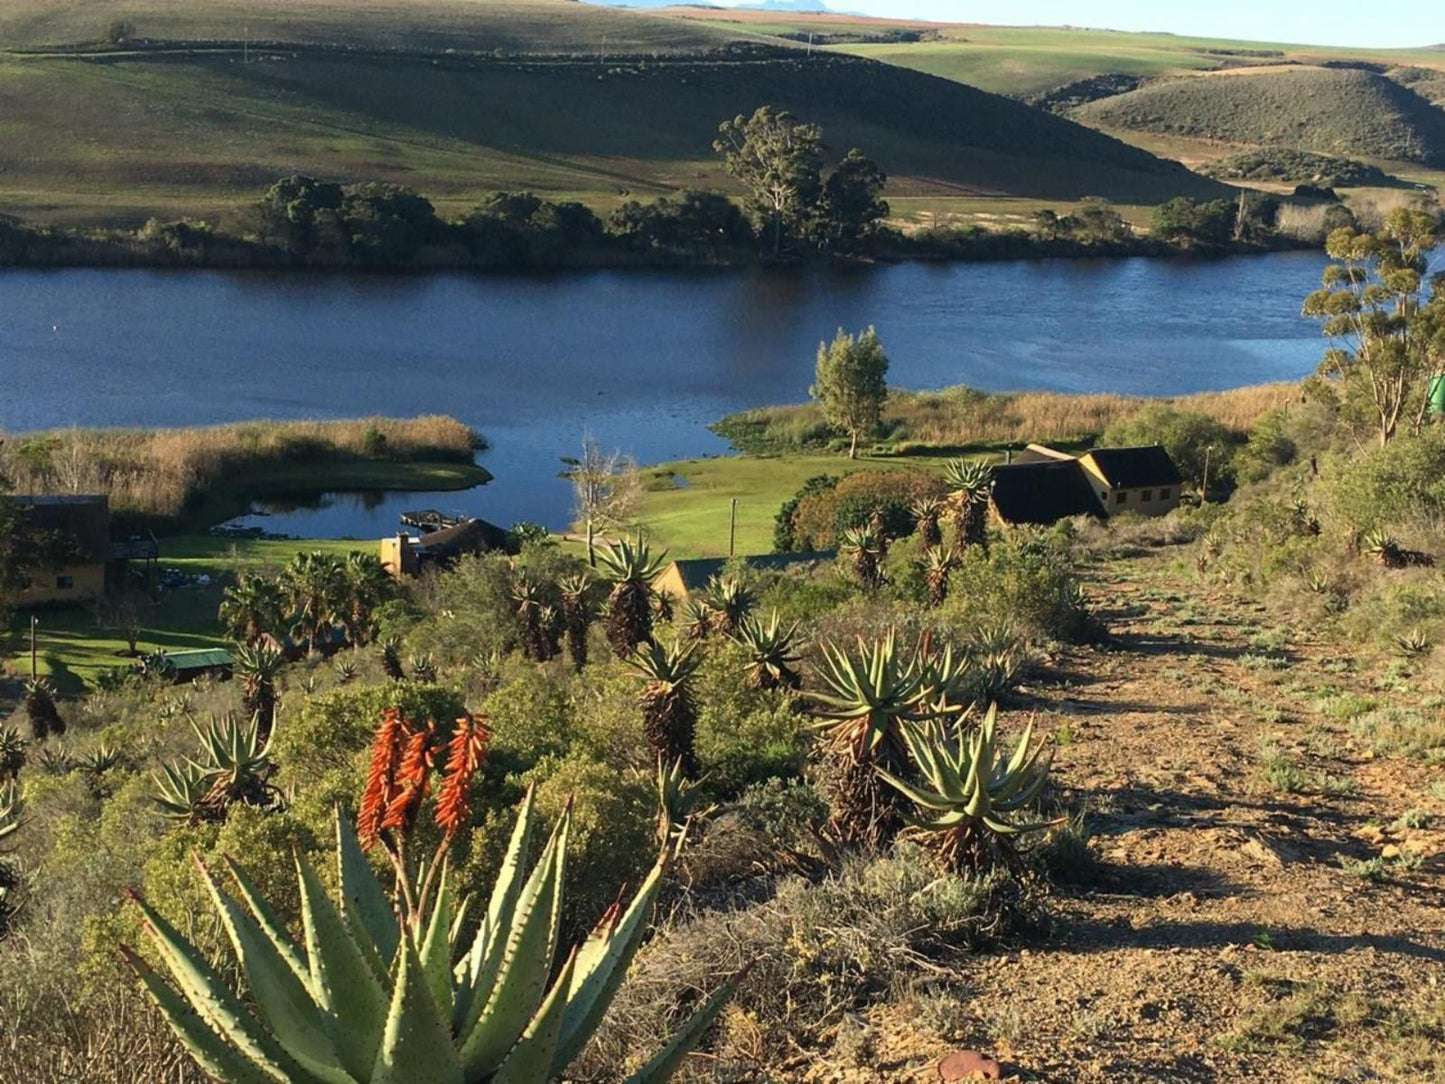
795 7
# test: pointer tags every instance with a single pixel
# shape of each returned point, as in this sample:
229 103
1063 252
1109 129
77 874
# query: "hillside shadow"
1086 934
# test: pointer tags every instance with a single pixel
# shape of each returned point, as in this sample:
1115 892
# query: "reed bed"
159 471
962 416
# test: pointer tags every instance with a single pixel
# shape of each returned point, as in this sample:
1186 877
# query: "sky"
1308 22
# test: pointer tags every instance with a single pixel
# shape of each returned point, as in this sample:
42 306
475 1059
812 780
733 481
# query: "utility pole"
733 529
34 668
1204 488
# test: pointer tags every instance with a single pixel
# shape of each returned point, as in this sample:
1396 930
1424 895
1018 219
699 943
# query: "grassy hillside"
200 131
1329 110
517 27
1025 61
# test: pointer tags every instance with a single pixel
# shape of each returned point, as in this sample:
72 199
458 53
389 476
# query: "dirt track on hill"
1220 936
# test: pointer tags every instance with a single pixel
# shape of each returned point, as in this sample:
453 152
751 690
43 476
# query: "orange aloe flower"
412 778
381 779
465 754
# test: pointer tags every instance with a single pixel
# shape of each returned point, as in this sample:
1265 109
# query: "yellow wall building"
85 522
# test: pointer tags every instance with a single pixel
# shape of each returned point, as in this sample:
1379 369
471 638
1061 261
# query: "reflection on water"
641 360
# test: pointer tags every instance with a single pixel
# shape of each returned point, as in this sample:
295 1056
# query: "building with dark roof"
681 578
1043 485
83 522
403 555
1042 492
1143 479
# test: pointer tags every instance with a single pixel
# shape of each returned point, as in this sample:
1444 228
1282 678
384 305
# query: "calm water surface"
641 360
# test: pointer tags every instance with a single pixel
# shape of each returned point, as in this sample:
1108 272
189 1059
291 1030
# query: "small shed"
681 578
183 666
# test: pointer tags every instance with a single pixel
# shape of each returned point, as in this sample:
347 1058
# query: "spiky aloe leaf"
342 980
364 902
485 955
602 964
417 1047
666 1061
212 1053
436 947
282 999
531 1060
213 1000
272 926
522 978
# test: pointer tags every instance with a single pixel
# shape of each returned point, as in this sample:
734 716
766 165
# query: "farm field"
202 111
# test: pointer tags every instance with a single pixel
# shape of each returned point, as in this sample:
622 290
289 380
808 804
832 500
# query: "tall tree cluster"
778 160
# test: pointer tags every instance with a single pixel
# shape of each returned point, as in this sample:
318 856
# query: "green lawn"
688 503
75 645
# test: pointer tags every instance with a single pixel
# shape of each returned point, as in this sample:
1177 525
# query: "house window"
1163 494
1146 495
64 583
1121 497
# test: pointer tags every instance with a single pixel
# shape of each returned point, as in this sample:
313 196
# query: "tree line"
792 205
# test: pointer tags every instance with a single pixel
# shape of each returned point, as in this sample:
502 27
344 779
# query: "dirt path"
1268 899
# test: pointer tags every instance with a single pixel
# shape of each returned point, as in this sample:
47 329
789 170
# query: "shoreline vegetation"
177 480
963 418
302 223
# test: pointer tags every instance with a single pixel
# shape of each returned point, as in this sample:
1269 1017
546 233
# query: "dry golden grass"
158 471
961 416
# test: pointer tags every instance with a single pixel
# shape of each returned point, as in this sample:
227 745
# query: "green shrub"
613 835
785 536
1400 484
821 517
1185 435
1268 447
1025 580
322 745
744 735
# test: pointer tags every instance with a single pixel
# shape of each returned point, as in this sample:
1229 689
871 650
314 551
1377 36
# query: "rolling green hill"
184 119
513 27
1338 111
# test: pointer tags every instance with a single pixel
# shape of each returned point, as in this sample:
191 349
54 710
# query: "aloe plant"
576 616
391 658
730 600
771 649
926 511
970 795
45 717
629 607
971 483
939 563
12 753
258 664
669 710
408 990
866 550
531 600
234 766
867 699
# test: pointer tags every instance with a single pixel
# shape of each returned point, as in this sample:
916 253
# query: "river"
641 360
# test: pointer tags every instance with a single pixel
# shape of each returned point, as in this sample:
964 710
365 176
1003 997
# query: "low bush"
816 952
